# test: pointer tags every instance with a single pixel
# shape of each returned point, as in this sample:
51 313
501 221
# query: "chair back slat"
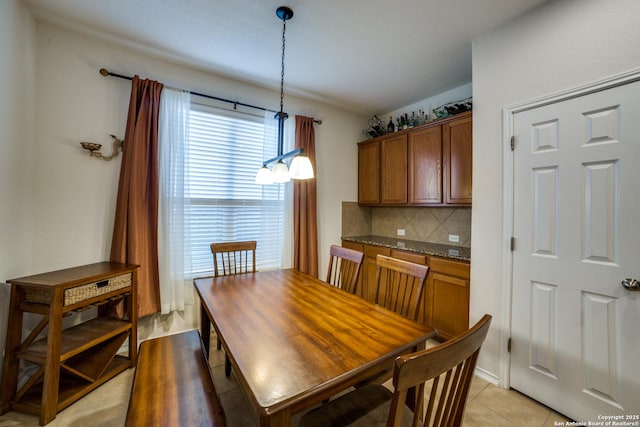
400 285
344 268
231 258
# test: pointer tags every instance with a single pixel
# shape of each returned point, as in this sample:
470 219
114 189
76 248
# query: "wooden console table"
73 361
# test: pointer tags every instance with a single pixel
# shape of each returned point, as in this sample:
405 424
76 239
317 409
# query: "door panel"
450 302
369 172
393 170
425 166
458 148
576 225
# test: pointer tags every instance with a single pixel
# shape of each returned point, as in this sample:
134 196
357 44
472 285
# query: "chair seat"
366 406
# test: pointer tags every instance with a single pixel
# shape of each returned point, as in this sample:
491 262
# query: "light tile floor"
488 405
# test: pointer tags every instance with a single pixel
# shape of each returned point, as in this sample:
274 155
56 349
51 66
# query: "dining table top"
294 340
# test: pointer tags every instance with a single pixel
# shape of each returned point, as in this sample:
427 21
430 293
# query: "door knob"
631 284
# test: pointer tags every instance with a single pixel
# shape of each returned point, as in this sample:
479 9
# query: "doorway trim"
507 195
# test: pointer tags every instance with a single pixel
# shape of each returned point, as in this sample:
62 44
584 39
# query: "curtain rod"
105 73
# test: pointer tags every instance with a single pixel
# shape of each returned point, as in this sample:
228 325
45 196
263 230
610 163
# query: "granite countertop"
446 251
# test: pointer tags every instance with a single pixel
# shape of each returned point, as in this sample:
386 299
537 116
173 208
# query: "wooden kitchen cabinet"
457 144
393 170
430 165
72 361
414 257
445 304
425 166
369 172
447 296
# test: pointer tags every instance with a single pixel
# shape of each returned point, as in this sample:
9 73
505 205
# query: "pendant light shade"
280 172
264 176
301 167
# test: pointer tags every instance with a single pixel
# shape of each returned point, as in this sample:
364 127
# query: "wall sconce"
94 149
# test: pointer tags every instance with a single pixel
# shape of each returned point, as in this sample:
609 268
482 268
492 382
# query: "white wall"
17 124
560 45
17 95
74 196
427 105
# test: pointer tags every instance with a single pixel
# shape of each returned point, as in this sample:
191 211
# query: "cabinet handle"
102 283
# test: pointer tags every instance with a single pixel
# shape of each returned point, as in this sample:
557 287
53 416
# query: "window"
225 150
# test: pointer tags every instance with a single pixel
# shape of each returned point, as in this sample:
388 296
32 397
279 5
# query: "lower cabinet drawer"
409 256
449 267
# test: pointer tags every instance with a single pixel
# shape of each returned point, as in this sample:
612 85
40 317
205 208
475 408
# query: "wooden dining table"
294 340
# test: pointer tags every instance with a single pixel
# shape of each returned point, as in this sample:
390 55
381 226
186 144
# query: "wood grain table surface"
294 340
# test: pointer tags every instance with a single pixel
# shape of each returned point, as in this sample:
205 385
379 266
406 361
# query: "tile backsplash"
419 223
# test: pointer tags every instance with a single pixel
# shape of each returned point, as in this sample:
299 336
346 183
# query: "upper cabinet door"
425 166
369 173
429 165
393 172
457 140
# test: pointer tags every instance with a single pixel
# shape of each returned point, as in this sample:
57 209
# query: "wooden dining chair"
234 257
400 285
450 365
231 258
344 268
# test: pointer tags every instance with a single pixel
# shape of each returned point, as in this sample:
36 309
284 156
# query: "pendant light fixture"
301 167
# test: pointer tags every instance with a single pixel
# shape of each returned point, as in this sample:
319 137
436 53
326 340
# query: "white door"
575 328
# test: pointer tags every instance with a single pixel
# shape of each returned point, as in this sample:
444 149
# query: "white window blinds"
225 150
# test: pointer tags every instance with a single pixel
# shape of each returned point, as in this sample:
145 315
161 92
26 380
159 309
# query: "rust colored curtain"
305 222
135 230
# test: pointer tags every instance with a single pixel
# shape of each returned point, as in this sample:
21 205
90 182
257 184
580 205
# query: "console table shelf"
76 360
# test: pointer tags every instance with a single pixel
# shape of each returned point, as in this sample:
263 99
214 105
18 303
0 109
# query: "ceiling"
368 56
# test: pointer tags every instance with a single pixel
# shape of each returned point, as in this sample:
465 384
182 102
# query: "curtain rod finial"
104 72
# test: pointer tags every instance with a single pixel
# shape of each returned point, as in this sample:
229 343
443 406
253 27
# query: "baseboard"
487 376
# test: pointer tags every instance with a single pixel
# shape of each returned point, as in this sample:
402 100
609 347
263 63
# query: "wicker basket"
82 292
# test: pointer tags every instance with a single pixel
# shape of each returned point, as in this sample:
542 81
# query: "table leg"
49 403
132 304
205 329
278 419
412 399
11 363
